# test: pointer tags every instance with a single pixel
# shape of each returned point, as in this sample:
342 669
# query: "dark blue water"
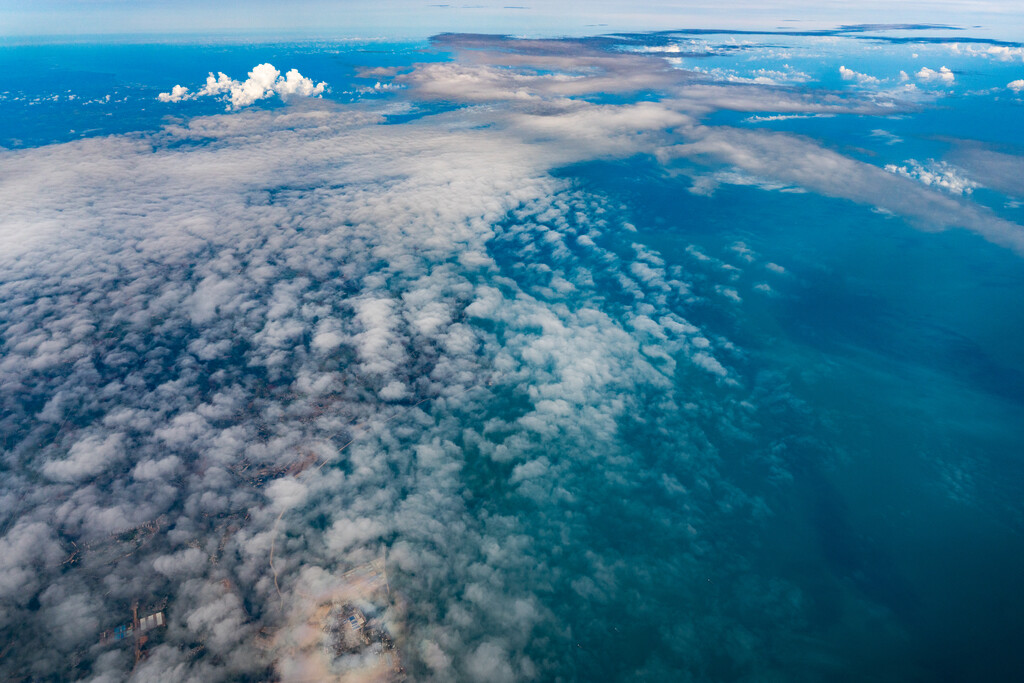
888 446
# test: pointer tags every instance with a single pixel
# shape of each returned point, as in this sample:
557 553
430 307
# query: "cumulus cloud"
264 81
1003 53
861 78
786 74
1006 53
944 75
1016 86
86 458
936 173
182 563
177 94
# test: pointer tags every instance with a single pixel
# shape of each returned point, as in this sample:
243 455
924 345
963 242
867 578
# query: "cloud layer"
247 353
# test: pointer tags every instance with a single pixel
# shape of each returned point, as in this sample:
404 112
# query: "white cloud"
186 562
944 75
1003 53
1016 86
394 391
935 173
177 94
797 160
784 117
87 458
889 138
264 81
786 74
1006 53
861 78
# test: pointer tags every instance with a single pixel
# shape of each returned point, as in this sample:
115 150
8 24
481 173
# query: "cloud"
1016 86
87 458
786 74
943 75
177 94
264 81
783 117
889 138
247 353
1006 53
185 562
994 169
851 75
793 159
935 173
1003 53
337 325
25 550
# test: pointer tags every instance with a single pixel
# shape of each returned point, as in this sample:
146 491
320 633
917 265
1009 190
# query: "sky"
674 355
413 19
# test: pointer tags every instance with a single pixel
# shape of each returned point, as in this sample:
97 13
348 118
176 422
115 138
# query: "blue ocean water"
822 483
886 357
59 92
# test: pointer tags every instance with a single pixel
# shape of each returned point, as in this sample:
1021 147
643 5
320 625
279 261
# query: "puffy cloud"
1016 86
786 74
851 75
177 94
242 355
489 662
935 173
264 81
1004 53
184 563
944 75
87 458
295 84
25 550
